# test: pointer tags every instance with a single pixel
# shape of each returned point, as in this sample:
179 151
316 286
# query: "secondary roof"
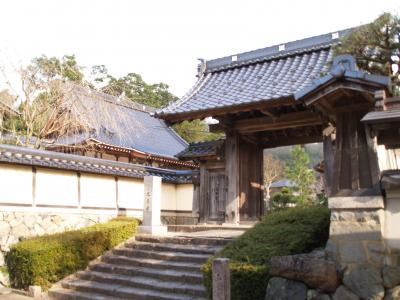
123 123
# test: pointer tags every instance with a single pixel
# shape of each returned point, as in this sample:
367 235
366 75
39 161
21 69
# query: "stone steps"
150 267
150 263
162 255
197 249
143 282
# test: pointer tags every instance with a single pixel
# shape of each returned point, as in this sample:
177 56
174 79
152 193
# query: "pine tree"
297 170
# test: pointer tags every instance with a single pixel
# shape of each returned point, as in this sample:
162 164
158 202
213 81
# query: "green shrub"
47 259
282 199
283 232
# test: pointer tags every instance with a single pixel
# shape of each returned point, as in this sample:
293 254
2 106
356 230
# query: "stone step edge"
60 293
111 289
165 253
184 248
138 282
180 240
150 262
180 274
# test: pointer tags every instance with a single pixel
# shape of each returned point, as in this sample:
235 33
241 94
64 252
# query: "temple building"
116 128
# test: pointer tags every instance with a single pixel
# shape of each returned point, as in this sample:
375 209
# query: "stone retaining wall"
18 225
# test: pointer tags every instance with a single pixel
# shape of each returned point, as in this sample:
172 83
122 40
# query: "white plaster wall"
388 159
130 193
55 187
15 184
392 219
98 191
184 196
168 196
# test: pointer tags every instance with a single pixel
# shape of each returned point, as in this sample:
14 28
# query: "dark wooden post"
232 175
221 279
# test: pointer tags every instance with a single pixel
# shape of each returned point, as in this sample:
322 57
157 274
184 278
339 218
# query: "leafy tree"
195 131
51 68
297 170
273 170
376 47
133 87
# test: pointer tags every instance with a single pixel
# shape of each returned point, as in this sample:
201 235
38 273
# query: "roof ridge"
276 51
116 100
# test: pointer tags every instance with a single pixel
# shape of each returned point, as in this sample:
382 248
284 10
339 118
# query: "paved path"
7 294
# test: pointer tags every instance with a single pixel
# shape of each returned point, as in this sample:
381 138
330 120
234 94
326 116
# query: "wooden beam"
218 111
290 120
293 141
267 113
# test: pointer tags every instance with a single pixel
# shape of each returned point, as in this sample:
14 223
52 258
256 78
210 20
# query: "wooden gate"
216 196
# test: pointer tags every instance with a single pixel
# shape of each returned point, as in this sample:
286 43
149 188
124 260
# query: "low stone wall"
15 226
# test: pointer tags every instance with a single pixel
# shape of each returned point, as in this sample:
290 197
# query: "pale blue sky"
161 40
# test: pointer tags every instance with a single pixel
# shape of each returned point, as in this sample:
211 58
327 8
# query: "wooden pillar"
232 175
355 165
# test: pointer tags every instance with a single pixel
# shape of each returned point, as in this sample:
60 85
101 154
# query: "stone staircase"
146 267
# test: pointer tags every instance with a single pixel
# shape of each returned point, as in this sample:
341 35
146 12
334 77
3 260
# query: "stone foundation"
177 218
355 237
15 226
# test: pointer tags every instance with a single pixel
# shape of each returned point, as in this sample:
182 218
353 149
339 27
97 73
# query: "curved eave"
215 111
360 78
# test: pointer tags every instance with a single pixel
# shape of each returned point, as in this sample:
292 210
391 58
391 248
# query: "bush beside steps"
283 232
47 259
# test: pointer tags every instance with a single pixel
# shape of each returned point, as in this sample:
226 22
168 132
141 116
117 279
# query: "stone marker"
35 291
221 279
152 207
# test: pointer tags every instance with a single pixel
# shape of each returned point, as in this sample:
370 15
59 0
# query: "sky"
163 39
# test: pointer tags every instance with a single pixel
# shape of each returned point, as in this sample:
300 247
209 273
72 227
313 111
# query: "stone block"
284 289
35 291
343 293
391 276
315 272
359 231
316 295
29 220
365 282
4 228
352 252
4 279
393 294
20 230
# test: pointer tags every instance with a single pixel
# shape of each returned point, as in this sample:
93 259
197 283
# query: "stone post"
221 279
152 207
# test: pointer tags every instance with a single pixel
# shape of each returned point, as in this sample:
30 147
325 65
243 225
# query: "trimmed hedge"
44 260
283 232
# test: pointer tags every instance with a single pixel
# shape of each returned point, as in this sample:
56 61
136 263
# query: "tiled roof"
49 159
122 123
201 149
265 74
386 116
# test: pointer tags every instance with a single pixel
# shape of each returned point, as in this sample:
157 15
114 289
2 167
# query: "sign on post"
221 279
152 207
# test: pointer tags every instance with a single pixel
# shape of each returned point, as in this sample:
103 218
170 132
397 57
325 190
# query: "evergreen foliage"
376 47
297 170
44 260
283 232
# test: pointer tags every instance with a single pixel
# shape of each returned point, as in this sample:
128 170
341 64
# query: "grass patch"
284 232
47 259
